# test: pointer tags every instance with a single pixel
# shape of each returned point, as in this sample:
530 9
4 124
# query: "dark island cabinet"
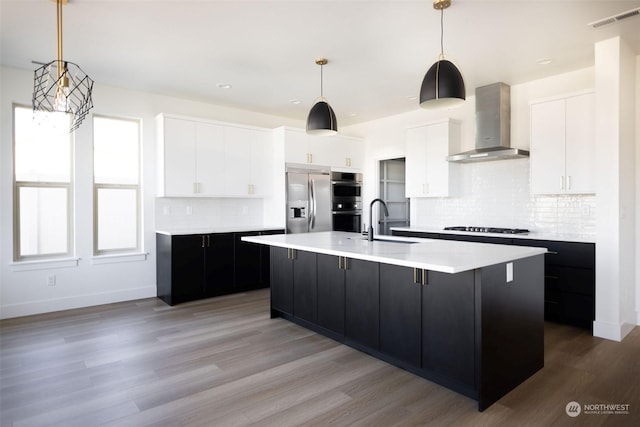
569 286
331 289
282 280
362 303
400 312
448 327
304 285
478 332
293 278
195 266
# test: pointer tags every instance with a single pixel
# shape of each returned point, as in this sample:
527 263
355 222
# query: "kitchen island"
468 316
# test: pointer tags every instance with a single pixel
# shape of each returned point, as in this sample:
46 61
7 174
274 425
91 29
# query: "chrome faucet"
386 213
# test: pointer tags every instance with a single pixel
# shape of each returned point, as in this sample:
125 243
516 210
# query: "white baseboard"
612 331
68 303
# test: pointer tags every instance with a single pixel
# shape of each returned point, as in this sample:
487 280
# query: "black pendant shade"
442 86
322 119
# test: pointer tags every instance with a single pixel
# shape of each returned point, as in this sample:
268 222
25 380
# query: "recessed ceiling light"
224 85
295 101
544 61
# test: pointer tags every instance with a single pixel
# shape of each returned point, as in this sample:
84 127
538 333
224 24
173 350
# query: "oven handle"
357 212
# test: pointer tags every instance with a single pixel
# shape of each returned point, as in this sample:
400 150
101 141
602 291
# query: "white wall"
616 191
23 290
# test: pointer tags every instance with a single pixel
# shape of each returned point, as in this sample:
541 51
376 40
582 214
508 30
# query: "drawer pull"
552 252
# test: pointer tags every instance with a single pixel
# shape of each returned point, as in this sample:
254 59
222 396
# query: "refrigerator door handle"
312 197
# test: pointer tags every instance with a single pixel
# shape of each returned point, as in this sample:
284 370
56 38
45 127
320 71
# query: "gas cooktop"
488 229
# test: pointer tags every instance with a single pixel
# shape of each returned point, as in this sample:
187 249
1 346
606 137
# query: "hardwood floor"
224 362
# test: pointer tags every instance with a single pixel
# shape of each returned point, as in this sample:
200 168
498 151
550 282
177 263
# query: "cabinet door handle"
562 182
208 241
340 263
203 241
569 182
424 278
552 252
346 263
415 275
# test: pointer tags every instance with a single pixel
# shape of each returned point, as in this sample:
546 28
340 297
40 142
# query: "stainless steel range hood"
493 127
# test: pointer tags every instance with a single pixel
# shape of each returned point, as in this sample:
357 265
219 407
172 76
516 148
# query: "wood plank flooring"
224 362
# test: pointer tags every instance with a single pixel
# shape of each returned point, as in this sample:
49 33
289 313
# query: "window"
116 188
43 212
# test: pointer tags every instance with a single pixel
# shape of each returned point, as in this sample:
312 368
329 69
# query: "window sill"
115 258
44 264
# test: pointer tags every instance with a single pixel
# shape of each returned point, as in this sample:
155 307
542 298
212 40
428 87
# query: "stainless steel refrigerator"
308 200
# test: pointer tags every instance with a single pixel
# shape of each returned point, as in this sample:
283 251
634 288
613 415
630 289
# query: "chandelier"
62 86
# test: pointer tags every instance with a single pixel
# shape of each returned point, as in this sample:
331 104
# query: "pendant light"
322 120
443 85
62 86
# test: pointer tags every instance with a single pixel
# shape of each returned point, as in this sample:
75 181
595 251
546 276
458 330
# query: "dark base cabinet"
448 327
196 266
570 276
400 313
472 332
362 303
331 293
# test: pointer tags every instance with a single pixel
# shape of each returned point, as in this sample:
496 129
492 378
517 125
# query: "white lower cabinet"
563 145
199 158
428 173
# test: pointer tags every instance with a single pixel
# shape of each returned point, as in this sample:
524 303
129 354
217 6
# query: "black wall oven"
346 200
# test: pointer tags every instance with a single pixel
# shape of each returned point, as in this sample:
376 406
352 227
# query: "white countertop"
447 256
213 230
579 238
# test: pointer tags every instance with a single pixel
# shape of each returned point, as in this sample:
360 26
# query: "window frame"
98 186
17 185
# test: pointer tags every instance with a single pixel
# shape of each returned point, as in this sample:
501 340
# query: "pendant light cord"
60 68
321 82
441 34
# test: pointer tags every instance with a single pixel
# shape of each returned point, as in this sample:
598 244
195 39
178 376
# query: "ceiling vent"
616 18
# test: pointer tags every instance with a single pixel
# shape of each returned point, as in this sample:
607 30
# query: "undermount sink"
376 239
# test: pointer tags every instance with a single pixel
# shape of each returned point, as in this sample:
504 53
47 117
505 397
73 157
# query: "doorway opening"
392 187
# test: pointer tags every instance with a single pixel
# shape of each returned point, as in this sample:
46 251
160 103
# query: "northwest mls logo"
573 409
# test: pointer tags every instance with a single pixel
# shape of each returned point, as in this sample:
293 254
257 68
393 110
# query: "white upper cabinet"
176 156
428 173
563 145
248 162
337 152
207 159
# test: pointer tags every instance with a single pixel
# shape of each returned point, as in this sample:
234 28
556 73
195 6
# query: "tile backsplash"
197 213
497 194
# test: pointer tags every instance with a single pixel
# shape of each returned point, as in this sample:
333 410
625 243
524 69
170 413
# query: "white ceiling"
378 51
